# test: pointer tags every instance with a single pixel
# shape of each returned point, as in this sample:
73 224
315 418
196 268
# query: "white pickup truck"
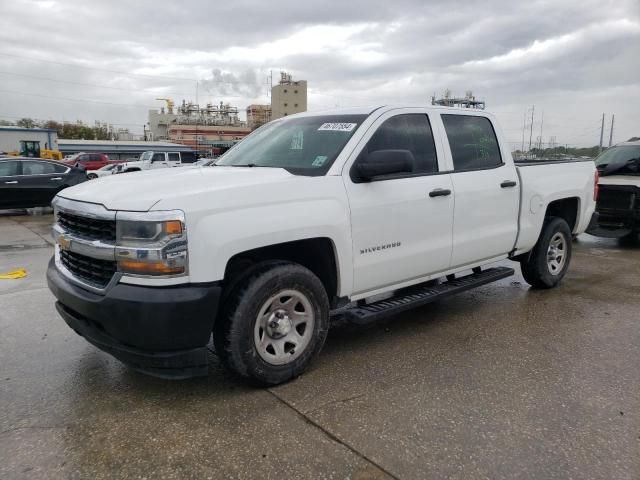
310 216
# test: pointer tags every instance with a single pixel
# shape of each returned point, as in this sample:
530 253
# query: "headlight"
151 243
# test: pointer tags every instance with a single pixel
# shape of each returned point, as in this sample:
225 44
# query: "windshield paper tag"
338 127
319 161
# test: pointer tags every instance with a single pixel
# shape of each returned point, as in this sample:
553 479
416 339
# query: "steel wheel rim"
557 253
284 327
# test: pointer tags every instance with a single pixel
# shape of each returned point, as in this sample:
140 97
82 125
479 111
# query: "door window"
158 157
472 141
174 157
41 168
408 132
96 158
9 168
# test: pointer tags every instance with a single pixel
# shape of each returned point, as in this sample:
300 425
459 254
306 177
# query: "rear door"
400 232
40 181
486 189
174 159
95 161
9 184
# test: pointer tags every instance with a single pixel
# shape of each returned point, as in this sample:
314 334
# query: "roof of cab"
368 109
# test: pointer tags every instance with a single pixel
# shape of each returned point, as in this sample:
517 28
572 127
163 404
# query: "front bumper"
161 331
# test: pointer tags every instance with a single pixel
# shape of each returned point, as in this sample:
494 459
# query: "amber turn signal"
149 268
173 227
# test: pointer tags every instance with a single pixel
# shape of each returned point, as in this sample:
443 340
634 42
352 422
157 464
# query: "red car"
90 161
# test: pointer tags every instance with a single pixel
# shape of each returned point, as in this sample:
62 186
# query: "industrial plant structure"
214 128
211 129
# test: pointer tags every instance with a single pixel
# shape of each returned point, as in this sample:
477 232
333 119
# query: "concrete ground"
500 382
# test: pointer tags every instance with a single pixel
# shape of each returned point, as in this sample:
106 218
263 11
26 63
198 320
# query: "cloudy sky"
108 61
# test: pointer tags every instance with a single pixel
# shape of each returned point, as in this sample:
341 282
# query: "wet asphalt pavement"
500 382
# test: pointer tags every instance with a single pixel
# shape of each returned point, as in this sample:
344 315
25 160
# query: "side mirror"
383 162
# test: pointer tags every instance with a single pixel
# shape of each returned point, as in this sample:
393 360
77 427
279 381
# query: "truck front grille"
89 228
91 270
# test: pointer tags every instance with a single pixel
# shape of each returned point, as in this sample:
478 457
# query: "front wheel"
91 176
549 260
274 324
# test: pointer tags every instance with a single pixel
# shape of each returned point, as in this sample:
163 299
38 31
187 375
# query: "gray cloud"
574 59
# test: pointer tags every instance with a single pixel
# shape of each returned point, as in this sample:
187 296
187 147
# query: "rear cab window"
473 142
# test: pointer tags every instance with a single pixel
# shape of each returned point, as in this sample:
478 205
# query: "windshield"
146 156
617 159
304 146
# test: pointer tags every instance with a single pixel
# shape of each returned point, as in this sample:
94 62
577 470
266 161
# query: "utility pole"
613 117
533 109
601 135
541 122
524 126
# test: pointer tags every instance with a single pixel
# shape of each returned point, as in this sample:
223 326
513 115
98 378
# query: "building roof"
113 146
64 141
12 128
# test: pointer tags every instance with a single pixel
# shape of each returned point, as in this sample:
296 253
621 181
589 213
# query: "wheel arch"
318 254
567 209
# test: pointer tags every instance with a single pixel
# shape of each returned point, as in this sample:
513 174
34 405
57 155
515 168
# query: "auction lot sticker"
338 127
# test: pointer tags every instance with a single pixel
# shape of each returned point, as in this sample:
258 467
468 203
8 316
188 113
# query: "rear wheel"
274 324
91 176
549 260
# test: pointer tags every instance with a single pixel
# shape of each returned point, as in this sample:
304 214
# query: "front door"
486 188
401 224
9 184
159 160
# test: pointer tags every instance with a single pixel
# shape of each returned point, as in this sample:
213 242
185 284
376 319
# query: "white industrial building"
27 141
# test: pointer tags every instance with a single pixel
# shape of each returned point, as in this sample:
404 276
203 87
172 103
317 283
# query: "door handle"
56 178
508 184
11 183
440 192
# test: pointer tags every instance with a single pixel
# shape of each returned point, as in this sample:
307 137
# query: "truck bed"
532 163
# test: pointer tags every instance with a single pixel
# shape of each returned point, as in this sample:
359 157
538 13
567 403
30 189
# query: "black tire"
235 329
535 267
91 176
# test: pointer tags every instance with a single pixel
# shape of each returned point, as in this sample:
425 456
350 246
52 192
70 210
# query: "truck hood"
140 191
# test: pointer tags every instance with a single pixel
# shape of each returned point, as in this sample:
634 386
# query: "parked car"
618 206
104 171
31 182
89 161
309 216
154 159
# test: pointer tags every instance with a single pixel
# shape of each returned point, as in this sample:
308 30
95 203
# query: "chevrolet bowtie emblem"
64 242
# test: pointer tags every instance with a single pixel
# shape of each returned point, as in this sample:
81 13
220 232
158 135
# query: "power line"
86 100
22 57
146 90
49 79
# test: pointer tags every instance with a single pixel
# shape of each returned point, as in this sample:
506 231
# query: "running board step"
423 295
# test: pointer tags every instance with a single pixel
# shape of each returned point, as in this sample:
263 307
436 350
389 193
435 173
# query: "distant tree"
633 139
26 123
6 123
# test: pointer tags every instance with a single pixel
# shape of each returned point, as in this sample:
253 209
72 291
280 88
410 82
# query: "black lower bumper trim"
153 329
171 365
